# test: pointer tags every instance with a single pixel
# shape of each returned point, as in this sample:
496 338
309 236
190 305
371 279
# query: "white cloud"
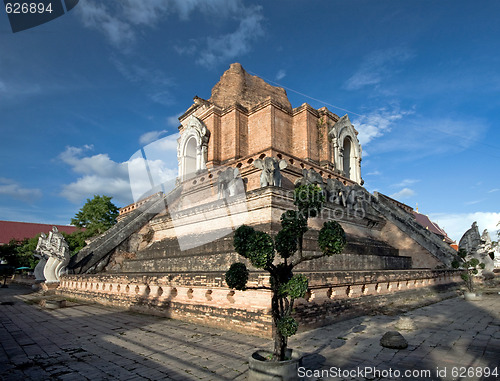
403 193
420 136
12 188
155 83
155 170
377 123
151 136
406 183
100 175
162 97
142 74
121 21
144 12
173 121
377 66
234 44
281 74
214 7
100 17
163 146
493 190
188 49
374 173
21 88
150 176
474 202
87 186
99 164
457 224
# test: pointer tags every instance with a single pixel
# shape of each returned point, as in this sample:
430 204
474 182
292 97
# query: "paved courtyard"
453 340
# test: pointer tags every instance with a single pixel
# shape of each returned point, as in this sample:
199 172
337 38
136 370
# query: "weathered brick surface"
237 86
205 299
260 130
250 120
90 342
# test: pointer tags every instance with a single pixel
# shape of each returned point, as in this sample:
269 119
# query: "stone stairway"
407 224
95 255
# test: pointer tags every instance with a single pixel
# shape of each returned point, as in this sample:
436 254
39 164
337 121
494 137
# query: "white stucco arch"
192 148
346 149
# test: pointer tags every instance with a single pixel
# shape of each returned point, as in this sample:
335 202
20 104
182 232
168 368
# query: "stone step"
95 252
222 262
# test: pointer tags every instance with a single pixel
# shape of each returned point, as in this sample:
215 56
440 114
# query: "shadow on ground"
94 342
452 340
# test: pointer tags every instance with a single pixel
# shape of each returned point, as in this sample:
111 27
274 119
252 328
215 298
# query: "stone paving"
92 342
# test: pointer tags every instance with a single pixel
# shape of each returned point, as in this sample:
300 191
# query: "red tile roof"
423 220
20 230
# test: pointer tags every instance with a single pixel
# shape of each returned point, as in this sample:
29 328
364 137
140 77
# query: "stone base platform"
203 298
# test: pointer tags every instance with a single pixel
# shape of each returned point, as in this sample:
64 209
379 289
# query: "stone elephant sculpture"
227 183
270 174
336 192
352 196
310 176
355 196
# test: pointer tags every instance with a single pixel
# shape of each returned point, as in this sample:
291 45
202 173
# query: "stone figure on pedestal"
271 174
478 246
336 192
54 253
227 184
310 176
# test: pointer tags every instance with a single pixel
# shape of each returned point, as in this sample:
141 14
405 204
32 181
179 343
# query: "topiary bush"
262 251
471 267
237 276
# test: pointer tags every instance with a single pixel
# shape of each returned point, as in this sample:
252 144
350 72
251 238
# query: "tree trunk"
280 342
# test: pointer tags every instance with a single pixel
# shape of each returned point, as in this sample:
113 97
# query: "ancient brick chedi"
246 116
240 154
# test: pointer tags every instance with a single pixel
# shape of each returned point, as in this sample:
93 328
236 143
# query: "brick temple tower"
240 154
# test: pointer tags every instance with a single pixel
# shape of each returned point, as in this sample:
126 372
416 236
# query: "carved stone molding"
194 129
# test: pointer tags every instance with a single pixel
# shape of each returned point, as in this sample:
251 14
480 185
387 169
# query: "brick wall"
203 298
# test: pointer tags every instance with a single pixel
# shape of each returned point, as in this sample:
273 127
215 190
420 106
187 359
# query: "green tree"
76 240
96 215
260 249
26 250
20 253
8 252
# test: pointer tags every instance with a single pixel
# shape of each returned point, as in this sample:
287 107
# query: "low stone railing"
206 299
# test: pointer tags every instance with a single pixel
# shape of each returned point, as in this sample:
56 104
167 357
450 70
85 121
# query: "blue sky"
420 80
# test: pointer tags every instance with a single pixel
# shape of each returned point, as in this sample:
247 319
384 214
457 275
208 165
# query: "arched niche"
192 148
348 157
190 159
346 149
